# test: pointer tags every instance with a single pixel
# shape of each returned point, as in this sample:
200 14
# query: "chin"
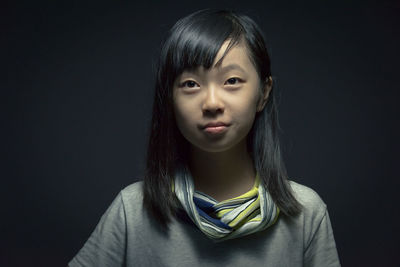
215 147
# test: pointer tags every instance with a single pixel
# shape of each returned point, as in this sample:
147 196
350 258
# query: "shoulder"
318 241
314 208
313 212
133 192
126 199
306 195
133 188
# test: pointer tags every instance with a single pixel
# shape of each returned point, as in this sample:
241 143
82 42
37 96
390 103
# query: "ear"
266 90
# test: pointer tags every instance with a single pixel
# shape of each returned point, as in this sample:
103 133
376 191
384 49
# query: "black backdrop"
76 95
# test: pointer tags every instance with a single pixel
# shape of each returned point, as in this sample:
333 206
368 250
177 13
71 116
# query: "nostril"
211 111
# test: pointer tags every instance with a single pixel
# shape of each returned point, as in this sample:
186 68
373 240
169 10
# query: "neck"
222 175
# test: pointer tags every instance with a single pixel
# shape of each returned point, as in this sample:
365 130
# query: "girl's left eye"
233 81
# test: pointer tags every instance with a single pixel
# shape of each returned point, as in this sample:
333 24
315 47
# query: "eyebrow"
231 67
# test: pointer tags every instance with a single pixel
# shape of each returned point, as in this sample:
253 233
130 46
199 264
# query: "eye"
233 81
189 84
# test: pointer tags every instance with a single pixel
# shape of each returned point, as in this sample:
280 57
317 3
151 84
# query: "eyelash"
185 82
237 79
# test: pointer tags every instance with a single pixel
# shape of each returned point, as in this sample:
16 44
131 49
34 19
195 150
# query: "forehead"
237 54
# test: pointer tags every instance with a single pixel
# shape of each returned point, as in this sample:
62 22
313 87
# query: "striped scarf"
248 213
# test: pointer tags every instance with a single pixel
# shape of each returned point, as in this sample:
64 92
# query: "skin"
220 164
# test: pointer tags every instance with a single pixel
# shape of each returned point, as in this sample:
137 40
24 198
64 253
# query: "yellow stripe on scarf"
241 218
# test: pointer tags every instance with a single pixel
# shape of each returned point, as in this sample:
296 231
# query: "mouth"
216 129
215 124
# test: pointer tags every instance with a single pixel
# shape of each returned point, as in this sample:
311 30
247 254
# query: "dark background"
76 95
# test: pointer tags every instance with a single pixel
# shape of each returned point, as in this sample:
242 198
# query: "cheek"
246 109
184 117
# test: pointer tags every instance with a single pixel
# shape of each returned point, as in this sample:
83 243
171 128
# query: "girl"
215 191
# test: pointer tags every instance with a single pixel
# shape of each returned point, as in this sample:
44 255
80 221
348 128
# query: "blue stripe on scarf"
217 222
203 208
204 205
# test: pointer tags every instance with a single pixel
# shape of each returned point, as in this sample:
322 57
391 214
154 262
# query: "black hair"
192 42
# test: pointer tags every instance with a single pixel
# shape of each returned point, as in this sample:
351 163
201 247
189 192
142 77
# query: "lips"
215 128
215 124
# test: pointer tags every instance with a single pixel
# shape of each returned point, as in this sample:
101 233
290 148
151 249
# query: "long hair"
192 42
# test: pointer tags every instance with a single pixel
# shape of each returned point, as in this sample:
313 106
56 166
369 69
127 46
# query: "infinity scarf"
248 213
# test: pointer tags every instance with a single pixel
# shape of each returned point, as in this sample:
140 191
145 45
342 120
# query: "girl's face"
228 94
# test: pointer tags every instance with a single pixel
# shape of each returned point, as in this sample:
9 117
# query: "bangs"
196 40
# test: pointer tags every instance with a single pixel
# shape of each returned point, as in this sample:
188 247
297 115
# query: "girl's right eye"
189 84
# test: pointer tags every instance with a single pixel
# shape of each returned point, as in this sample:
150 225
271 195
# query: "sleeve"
106 245
321 250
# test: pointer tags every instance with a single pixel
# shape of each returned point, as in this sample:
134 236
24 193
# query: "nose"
212 102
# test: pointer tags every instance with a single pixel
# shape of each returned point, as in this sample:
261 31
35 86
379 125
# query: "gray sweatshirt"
127 236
